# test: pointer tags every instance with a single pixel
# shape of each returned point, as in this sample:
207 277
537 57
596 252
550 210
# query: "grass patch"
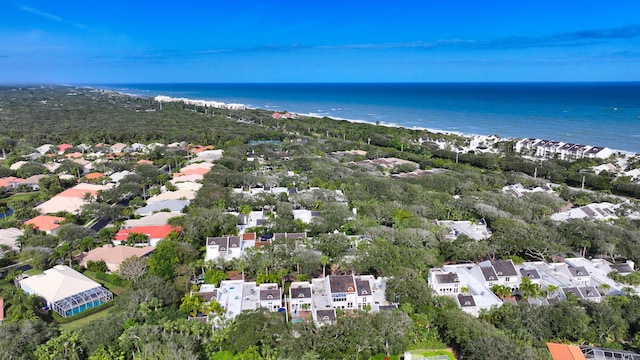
76 324
20 196
34 272
420 353
116 289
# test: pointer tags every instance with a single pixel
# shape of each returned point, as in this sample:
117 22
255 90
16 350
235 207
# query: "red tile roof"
7 181
77 193
565 352
94 176
45 222
153 232
64 147
249 236
74 155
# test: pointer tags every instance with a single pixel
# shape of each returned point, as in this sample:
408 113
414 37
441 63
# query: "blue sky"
116 41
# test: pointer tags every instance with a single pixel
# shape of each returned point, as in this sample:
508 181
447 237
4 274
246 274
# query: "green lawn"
34 272
117 290
20 196
81 322
432 354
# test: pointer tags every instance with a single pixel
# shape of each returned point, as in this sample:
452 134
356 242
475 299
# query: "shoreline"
209 102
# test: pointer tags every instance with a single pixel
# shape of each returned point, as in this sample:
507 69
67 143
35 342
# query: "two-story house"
444 283
270 297
342 289
300 297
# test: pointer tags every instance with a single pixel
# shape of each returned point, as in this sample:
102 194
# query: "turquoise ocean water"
602 114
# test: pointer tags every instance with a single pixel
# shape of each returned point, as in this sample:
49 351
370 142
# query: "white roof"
207 156
202 165
187 178
17 165
173 195
58 283
8 237
118 176
157 219
61 203
188 185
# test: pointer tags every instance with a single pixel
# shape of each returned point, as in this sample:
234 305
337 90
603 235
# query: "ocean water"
597 114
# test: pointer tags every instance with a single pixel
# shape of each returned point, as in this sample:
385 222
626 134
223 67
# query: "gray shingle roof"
504 268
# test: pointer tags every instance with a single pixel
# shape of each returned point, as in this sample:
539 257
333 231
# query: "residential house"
207 156
119 176
583 292
251 220
596 211
43 149
46 223
62 148
598 152
154 234
305 215
580 275
364 300
300 298
467 304
8 238
155 219
18 164
113 256
65 290
72 199
187 178
608 167
324 317
518 190
10 182
475 230
270 297
506 271
33 182
226 247
342 290
444 283
95 177
118 147
173 195
174 207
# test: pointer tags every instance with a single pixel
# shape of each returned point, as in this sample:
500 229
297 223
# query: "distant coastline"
596 114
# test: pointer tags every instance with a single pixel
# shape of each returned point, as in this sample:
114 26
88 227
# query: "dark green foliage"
19 340
97 266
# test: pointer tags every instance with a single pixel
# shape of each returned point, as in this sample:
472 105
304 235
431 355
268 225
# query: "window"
507 279
269 297
365 292
350 288
339 297
301 295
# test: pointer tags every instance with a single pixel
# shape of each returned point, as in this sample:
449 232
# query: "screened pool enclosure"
77 303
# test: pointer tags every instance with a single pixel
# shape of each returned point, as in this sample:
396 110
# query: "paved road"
21 267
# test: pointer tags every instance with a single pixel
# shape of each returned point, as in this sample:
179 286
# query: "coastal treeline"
392 217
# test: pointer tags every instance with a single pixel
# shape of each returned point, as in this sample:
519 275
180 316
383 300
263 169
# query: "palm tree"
324 260
191 304
604 287
529 289
501 291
